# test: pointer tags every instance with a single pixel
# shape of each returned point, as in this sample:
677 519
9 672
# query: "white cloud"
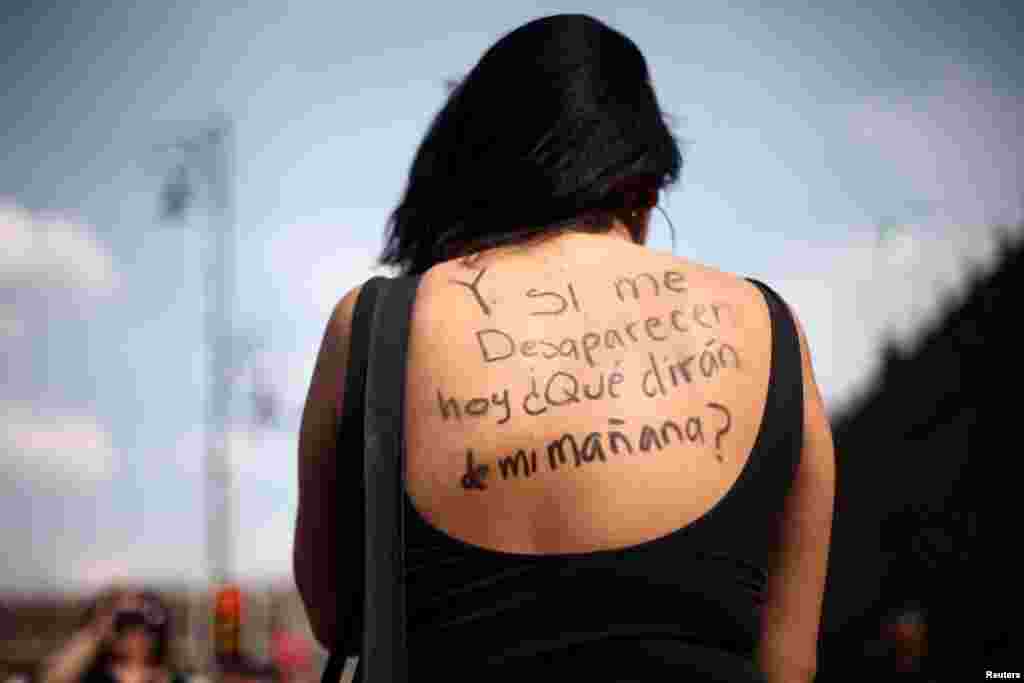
52 271
188 451
280 377
321 267
267 455
853 297
68 448
175 558
265 465
957 144
265 492
96 573
264 543
291 373
52 253
254 454
12 327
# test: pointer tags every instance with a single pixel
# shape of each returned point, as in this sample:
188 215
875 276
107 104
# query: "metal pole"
211 154
219 296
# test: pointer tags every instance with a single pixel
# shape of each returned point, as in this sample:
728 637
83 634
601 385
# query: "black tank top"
687 603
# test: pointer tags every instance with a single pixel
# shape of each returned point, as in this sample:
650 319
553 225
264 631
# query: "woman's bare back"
580 395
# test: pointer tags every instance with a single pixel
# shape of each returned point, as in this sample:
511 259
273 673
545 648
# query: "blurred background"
187 189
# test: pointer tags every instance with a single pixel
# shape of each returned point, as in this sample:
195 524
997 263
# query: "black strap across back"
737 528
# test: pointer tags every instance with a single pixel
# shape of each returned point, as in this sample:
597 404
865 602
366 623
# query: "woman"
618 463
124 638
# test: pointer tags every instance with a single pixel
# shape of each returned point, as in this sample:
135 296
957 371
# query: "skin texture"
792 615
467 409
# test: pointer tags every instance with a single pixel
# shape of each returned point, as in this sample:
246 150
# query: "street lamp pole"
207 161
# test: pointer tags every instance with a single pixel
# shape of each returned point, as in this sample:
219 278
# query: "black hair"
153 616
557 121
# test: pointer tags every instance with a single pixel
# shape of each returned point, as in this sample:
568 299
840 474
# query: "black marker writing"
706 364
476 292
558 307
475 474
575 301
698 315
538 406
723 430
576 450
498 345
672 280
562 388
451 407
511 465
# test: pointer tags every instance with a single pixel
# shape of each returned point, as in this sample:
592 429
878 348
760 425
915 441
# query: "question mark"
724 430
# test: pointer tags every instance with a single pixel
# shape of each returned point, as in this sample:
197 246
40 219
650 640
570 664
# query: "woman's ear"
651 198
636 220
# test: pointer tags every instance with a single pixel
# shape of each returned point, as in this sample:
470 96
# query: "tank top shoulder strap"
784 414
740 526
729 527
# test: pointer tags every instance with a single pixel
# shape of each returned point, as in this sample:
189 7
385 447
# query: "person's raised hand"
107 606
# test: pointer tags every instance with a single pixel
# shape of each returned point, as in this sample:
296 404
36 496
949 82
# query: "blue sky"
806 128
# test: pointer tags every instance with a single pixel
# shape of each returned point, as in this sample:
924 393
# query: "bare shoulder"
324 397
722 281
743 296
334 348
754 300
339 326
754 297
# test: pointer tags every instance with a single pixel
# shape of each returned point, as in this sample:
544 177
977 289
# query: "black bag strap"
373 420
352 508
384 654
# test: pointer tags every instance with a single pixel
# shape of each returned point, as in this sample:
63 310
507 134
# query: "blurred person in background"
242 668
124 638
689 539
906 632
291 653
